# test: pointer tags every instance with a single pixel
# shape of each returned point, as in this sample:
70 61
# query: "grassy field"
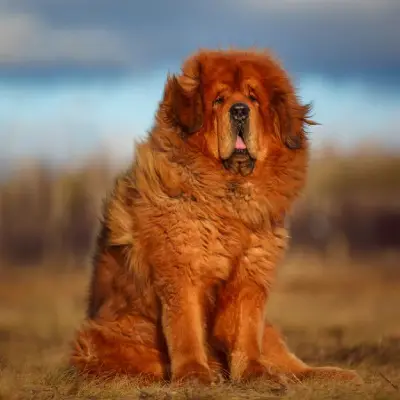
345 315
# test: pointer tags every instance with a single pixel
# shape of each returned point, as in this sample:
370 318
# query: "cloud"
335 39
24 38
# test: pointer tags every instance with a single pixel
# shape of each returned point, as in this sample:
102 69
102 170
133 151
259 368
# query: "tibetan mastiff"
192 233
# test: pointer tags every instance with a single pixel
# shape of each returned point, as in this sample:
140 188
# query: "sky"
78 76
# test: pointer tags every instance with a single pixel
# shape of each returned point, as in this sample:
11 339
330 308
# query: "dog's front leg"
239 326
182 322
240 319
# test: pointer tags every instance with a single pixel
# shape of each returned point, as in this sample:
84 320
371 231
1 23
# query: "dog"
193 231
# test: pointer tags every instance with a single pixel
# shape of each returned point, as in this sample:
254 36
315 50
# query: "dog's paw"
256 370
192 372
332 373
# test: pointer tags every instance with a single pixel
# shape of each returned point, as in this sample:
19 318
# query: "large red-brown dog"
193 231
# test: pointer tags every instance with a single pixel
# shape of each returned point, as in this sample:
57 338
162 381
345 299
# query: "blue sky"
74 79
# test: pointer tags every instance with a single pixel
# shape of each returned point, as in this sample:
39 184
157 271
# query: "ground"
331 312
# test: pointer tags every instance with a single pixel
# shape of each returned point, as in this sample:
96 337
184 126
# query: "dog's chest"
222 242
245 203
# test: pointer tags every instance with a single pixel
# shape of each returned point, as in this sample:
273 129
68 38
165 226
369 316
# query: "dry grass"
331 315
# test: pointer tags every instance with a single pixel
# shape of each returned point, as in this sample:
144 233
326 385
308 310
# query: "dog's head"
238 106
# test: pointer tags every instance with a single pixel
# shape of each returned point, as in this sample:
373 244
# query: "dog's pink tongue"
240 145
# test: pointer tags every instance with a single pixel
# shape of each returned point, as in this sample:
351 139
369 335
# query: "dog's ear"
291 119
183 101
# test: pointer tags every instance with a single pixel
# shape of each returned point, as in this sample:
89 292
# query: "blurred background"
80 82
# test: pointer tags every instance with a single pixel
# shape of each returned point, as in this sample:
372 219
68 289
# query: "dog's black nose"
239 112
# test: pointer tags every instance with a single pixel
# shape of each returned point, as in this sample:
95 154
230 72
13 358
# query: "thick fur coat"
193 232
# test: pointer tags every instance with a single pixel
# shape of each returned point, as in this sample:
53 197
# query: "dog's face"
239 107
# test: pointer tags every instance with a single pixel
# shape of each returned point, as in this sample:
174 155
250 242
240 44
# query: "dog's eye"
253 98
218 100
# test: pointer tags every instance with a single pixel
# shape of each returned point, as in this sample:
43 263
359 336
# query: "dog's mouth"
240 161
240 145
